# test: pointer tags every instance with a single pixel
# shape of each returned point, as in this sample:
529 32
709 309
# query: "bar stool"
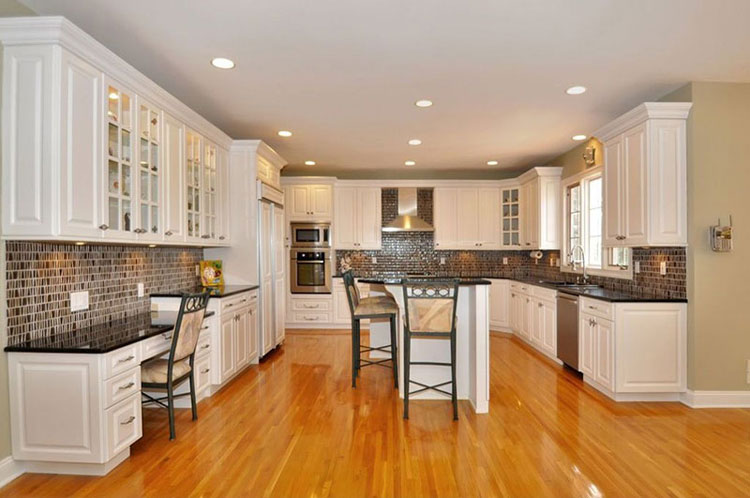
370 307
430 308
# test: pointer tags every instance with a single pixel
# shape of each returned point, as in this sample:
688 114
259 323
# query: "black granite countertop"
397 280
101 338
599 293
223 291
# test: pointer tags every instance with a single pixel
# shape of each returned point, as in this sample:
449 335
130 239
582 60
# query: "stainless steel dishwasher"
567 329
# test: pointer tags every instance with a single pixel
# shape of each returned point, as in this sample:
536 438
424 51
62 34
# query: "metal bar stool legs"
357 349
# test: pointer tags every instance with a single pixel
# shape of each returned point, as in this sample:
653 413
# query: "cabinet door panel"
173 174
612 192
446 219
225 210
468 213
80 158
320 201
297 203
488 215
227 350
605 364
370 218
500 304
548 324
635 177
345 220
586 345
279 280
252 333
240 340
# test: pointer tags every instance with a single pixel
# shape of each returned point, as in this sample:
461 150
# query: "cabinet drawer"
311 304
311 317
202 373
520 287
122 386
121 360
156 345
204 344
123 422
602 309
238 301
543 293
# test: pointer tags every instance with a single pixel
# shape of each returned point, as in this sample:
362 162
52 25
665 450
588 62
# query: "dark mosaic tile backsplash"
41 276
413 252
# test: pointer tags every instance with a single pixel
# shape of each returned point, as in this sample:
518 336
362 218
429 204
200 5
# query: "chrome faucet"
571 253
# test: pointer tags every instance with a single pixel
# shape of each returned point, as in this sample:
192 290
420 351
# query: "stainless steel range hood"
407 219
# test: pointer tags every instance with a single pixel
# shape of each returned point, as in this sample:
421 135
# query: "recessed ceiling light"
576 90
423 103
415 141
310 163
152 245
222 63
80 243
285 133
409 163
578 138
492 163
113 96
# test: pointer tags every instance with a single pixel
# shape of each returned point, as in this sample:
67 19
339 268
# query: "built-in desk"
75 397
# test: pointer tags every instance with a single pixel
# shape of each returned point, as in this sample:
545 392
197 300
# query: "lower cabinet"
596 349
322 310
533 316
500 305
238 341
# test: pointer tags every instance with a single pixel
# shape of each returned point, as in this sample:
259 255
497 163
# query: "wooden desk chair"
169 373
430 309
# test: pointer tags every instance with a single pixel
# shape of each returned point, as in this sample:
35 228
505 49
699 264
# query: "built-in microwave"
311 235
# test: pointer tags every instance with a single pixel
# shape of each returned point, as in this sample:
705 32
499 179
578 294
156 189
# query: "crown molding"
57 30
645 111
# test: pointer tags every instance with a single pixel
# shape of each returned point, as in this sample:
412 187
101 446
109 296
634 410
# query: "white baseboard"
716 399
9 470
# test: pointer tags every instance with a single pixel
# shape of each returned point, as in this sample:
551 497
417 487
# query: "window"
584 213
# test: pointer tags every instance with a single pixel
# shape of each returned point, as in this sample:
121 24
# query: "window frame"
608 269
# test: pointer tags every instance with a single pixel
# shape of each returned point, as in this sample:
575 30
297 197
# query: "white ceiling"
343 75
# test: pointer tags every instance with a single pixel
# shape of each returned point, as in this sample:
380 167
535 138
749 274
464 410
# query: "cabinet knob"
125 360
206 371
168 233
221 237
540 304
103 226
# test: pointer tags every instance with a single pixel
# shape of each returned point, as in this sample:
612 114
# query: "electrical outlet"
637 267
442 260
552 261
505 261
663 267
79 301
374 260
197 270
140 289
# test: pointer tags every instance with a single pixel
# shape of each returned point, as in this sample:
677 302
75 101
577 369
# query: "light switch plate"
79 301
374 260
505 261
140 289
637 267
442 260
197 270
663 267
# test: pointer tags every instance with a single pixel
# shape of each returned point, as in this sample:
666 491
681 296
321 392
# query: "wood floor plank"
293 426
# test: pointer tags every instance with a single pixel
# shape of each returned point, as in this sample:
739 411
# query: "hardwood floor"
294 427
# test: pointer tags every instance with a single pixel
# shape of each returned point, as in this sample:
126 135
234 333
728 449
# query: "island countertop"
101 338
219 291
397 280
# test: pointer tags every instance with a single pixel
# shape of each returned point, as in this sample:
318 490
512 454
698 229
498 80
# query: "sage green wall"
572 161
718 182
8 8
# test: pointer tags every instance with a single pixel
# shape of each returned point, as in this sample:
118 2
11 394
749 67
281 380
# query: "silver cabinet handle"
205 346
166 336
593 308
103 226
205 327
230 305
205 236
205 371
540 304
312 318
221 237
126 386
169 233
527 299
125 360
311 306
512 295
128 421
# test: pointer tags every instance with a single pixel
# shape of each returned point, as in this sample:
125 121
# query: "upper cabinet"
90 152
309 202
511 218
467 218
645 176
357 220
540 208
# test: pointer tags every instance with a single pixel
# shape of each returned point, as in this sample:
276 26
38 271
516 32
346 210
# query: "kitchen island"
472 348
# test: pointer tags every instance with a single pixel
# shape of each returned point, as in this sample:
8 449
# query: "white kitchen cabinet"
91 148
587 346
279 276
645 176
500 303
467 218
227 345
357 218
546 323
224 223
511 218
596 349
540 208
309 202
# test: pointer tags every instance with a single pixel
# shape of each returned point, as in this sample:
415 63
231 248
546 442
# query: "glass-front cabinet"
194 180
118 200
210 192
511 221
148 211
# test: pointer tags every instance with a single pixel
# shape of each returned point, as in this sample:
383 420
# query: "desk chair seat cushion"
430 315
376 305
155 371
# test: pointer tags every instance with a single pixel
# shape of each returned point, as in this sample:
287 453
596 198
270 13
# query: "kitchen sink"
571 285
